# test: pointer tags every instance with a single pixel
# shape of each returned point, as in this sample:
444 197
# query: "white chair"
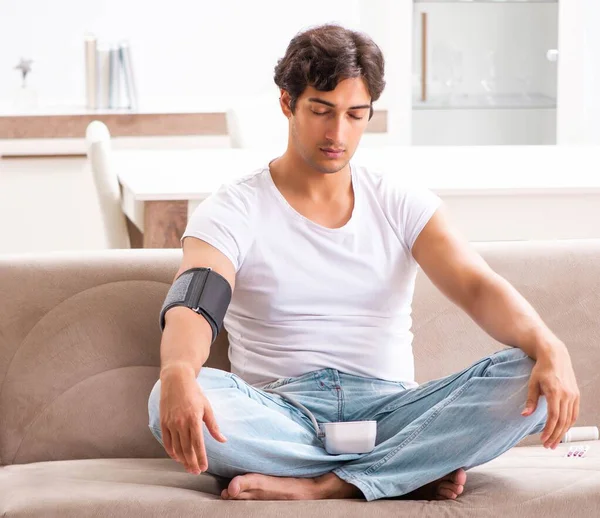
107 185
258 123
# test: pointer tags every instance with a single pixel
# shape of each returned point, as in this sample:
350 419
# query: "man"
315 260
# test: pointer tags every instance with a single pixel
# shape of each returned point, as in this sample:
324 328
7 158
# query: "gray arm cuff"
203 291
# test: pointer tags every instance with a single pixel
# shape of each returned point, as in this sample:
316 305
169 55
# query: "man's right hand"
183 409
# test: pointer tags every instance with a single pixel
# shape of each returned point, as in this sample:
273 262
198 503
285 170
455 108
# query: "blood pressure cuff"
203 291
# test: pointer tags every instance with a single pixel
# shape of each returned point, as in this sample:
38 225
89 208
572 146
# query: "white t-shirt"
309 297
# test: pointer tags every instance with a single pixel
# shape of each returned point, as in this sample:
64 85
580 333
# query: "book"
109 75
130 86
103 75
114 77
90 70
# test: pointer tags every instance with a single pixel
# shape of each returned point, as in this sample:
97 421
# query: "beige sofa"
79 354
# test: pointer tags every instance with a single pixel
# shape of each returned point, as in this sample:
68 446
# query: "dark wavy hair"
323 56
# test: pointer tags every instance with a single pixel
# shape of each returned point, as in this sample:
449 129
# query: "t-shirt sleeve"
409 209
223 220
417 207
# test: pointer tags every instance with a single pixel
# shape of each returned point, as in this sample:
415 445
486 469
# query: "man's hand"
183 409
553 376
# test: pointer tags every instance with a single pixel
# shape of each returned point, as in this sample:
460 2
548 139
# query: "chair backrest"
257 123
107 186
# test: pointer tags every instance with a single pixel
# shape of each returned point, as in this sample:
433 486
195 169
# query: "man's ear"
285 101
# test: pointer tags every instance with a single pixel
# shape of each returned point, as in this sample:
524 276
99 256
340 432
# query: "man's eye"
325 113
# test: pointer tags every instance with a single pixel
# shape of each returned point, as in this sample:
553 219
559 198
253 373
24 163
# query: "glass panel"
484 72
486 1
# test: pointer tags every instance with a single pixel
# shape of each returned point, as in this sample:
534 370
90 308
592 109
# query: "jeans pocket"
281 382
399 384
277 383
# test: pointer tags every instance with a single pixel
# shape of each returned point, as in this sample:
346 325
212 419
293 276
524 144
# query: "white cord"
320 433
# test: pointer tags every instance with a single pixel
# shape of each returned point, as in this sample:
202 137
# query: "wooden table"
160 189
492 192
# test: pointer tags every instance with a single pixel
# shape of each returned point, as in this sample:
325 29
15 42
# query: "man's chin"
330 166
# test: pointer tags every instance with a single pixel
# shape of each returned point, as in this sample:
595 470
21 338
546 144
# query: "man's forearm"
185 343
505 315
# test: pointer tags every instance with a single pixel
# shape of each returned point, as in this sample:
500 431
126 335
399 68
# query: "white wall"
592 72
182 50
579 92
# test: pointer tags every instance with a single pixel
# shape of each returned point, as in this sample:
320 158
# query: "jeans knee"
511 354
525 362
540 414
512 362
154 407
514 367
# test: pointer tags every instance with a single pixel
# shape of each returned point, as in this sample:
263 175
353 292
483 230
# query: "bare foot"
255 486
445 488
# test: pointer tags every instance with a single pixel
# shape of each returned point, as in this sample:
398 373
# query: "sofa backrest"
80 340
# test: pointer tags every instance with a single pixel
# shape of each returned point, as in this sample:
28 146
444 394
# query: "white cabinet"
482 72
48 204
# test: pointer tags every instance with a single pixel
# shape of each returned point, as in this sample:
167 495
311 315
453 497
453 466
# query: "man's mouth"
331 152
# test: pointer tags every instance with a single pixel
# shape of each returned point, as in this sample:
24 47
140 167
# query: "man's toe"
444 493
457 489
459 477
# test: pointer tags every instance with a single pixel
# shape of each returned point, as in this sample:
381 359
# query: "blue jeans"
423 433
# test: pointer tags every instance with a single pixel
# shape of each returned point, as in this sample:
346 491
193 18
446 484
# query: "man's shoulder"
387 180
375 180
250 179
245 187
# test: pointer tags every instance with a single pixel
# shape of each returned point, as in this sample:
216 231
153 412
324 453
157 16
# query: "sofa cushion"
525 481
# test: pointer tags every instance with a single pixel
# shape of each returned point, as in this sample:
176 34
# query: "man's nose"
336 130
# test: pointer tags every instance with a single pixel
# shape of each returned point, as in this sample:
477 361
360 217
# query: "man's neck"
292 174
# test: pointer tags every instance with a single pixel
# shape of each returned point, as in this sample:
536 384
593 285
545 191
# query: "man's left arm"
461 274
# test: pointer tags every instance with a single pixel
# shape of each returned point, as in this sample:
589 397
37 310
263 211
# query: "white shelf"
145 106
483 102
77 110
